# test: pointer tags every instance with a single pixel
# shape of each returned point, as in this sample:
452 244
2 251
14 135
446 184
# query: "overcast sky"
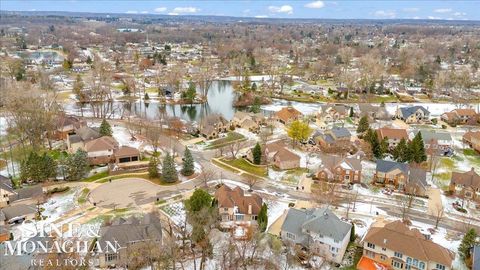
446 10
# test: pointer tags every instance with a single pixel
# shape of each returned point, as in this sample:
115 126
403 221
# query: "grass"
95 177
447 163
230 138
470 152
221 165
83 196
57 154
244 165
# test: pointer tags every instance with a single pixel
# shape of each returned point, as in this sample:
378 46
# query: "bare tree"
207 175
251 181
235 147
439 212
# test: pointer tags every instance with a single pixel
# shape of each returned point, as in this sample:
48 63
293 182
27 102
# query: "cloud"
412 10
132 12
434 18
458 14
316 4
144 12
416 18
261 16
283 9
185 10
385 14
173 13
442 10
160 9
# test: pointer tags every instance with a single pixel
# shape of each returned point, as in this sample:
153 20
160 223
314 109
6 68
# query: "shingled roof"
236 197
468 179
399 237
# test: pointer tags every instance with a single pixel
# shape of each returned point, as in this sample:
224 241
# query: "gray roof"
321 221
2 215
17 211
476 257
6 184
340 132
407 111
132 229
419 177
87 133
428 135
74 138
388 166
27 193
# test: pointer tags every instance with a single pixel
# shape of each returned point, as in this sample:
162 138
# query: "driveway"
129 192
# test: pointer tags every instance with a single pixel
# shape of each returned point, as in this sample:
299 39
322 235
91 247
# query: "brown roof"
465 112
101 144
236 197
330 162
470 134
399 237
468 179
288 113
126 151
283 154
275 146
392 133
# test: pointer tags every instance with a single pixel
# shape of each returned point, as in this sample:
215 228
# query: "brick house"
339 169
472 139
401 177
459 116
287 115
466 184
235 206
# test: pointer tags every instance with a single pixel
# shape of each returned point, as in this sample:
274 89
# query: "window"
384 249
370 254
415 262
440 267
225 209
111 257
398 254
370 245
382 257
290 235
421 265
397 265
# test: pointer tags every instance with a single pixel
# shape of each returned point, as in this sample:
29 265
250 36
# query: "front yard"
244 165
230 138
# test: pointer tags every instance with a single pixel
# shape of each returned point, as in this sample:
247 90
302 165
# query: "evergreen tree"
383 147
89 60
363 124
188 163
256 105
169 172
105 128
263 218
352 233
400 152
351 112
37 168
153 167
257 154
76 165
417 150
467 243
146 97
199 200
191 92
372 138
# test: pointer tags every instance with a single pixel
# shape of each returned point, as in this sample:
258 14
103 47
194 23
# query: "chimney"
249 208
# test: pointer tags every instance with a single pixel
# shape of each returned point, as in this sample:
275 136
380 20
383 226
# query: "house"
67 125
393 135
248 121
235 206
413 114
126 154
395 246
372 112
332 113
287 115
318 230
18 213
339 169
401 176
212 125
436 142
101 150
459 116
465 184
334 136
285 159
476 257
82 135
472 139
127 233
6 190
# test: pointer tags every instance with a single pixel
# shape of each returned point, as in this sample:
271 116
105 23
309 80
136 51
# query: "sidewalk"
434 201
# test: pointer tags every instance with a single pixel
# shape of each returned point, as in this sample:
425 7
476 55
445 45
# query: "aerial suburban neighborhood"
242 135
